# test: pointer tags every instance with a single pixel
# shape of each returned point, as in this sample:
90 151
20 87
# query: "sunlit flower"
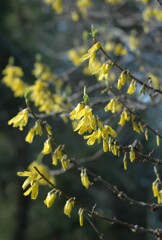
38 128
20 120
12 79
158 140
91 51
47 149
30 136
51 197
132 154
75 114
31 180
104 71
84 178
123 78
57 154
132 87
125 163
69 206
125 116
96 135
87 119
114 106
81 219
146 134
115 149
34 190
105 145
64 162
107 130
135 126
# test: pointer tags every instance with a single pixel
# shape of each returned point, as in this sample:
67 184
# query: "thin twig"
95 214
100 235
133 77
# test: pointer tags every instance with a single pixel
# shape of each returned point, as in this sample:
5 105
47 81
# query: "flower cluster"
34 180
36 130
87 122
13 79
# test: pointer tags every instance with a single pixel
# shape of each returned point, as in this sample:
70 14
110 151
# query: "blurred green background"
28 27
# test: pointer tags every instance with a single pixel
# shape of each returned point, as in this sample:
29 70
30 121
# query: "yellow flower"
81 219
91 51
38 128
125 116
44 170
105 145
158 140
104 71
12 79
57 154
30 135
154 80
20 120
13 71
87 123
146 134
74 16
132 87
47 149
32 176
31 180
88 120
96 135
84 178
123 78
159 198
155 189
69 206
49 129
125 161
94 65
51 197
64 162
34 190
132 155
115 149
107 130
135 125
114 106
75 113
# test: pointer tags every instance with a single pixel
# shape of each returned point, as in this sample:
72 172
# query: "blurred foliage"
31 27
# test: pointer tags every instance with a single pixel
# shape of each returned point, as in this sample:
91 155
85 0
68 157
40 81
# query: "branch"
93 214
120 194
132 76
100 235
